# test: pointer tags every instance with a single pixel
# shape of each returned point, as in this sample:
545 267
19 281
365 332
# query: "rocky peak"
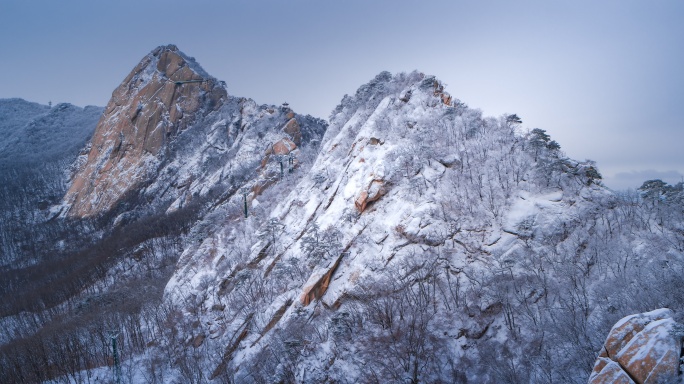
163 94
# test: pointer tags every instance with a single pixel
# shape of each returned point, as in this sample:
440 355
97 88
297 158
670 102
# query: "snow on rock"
625 329
156 101
283 147
643 347
172 136
394 189
610 373
372 192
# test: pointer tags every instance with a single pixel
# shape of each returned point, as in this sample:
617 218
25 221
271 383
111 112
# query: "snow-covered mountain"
410 240
34 133
157 101
425 240
39 144
15 114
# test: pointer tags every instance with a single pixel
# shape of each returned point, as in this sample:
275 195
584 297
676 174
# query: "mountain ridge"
26 139
410 239
152 105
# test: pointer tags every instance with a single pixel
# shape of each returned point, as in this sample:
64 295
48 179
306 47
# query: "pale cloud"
634 179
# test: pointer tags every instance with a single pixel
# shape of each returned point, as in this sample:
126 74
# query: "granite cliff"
163 94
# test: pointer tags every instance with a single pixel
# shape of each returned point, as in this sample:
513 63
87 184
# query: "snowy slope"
417 202
38 146
36 133
15 114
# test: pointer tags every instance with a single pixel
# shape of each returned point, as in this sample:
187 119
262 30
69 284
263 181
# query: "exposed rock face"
317 289
640 348
156 101
292 128
256 291
374 191
443 95
610 373
283 147
270 172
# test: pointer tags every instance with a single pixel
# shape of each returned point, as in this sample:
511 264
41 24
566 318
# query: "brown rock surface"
610 373
283 147
268 176
439 91
320 285
375 190
446 98
293 129
640 348
156 101
652 356
625 329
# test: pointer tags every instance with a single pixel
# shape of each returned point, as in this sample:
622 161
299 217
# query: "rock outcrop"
375 190
443 95
317 289
282 147
293 129
161 96
640 348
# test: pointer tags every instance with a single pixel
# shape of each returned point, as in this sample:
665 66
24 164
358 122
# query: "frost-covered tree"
320 244
270 231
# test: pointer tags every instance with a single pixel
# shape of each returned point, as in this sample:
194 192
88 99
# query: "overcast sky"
603 78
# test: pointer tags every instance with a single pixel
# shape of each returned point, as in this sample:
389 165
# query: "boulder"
652 356
610 372
624 330
375 141
282 147
640 348
374 191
